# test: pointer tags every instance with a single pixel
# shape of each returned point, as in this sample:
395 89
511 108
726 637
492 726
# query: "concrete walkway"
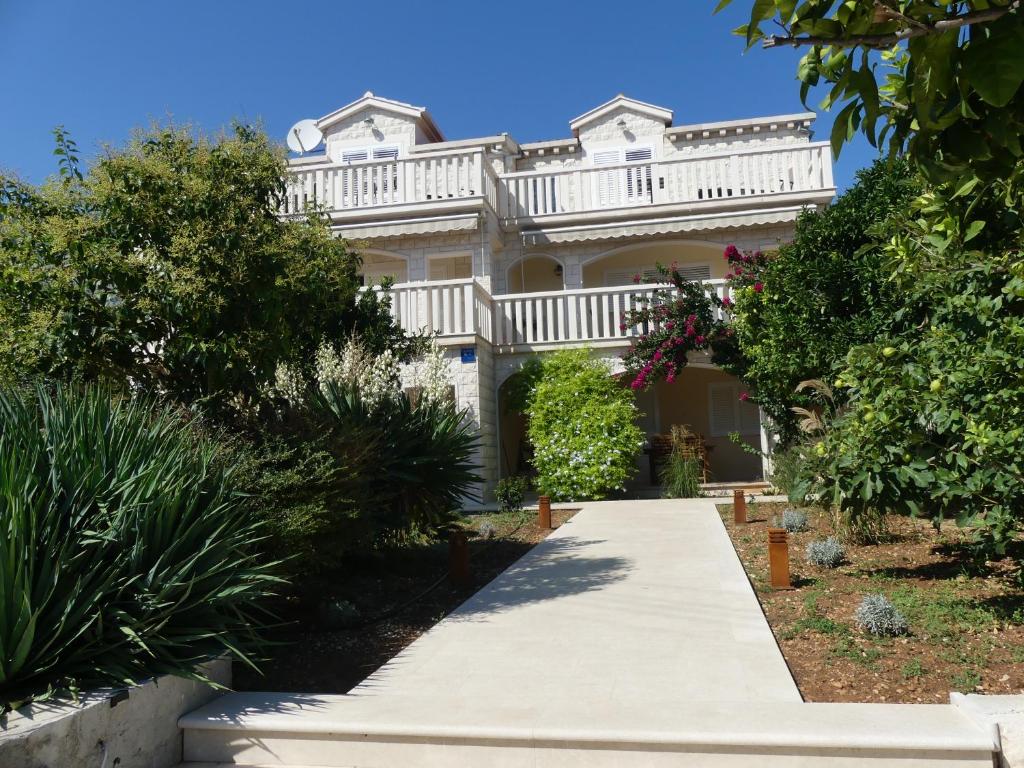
631 629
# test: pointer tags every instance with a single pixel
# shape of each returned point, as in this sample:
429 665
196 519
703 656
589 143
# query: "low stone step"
382 732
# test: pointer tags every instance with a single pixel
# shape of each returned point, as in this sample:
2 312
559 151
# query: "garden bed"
966 624
313 658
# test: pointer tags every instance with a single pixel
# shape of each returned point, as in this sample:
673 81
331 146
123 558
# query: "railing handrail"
426 155
714 155
599 290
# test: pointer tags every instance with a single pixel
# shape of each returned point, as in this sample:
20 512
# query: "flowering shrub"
582 425
675 322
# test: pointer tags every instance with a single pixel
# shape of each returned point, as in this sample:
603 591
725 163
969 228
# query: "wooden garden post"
544 513
739 507
458 558
778 558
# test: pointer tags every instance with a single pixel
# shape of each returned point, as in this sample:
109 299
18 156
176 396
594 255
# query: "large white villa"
507 250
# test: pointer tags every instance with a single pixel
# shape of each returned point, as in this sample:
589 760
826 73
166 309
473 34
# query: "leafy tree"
166 264
949 89
582 424
935 420
799 311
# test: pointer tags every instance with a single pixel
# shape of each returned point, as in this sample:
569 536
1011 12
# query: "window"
727 413
647 272
388 179
627 185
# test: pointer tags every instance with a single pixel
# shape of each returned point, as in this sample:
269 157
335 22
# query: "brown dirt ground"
966 624
312 658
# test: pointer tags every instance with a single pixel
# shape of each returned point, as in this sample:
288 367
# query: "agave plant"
124 551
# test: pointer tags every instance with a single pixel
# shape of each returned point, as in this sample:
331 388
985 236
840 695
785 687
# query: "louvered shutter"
722 409
695 271
607 181
638 178
750 417
390 174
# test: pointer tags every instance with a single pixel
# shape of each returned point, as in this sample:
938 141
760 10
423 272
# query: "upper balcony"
441 182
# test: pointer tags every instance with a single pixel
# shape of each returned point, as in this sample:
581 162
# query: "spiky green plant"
124 551
423 455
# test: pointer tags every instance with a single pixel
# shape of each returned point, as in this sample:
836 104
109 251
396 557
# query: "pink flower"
744 396
658 356
758 287
622 326
699 340
636 278
731 252
727 301
739 271
670 377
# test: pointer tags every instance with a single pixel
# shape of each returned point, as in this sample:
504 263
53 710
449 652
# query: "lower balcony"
457 311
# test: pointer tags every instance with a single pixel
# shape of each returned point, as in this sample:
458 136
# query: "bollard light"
739 507
544 513
458 558
778 558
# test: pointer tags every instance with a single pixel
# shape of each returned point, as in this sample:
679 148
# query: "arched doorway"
618 266
533 274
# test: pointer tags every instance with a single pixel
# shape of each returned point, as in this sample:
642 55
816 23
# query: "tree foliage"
166 264
935 420
941 79
799 310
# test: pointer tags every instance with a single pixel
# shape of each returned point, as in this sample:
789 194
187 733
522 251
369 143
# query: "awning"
402 228
667 226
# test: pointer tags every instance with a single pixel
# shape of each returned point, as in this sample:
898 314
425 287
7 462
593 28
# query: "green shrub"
876 615
510 492
681 477
582 425
398 469
124 550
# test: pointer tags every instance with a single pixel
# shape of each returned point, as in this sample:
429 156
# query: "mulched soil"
966 623
312 657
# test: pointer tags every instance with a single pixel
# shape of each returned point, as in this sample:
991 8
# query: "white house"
507 250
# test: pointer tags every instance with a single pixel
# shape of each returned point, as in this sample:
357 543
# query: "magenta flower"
727 301
731 252
758 287
699 340
658 356
636 278
744 396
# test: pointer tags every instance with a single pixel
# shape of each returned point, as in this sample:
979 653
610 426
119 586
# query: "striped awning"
425 226
668 226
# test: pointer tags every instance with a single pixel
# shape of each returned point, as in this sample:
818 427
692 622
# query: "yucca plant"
424 454
124 551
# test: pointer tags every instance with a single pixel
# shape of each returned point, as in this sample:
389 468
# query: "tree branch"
918 29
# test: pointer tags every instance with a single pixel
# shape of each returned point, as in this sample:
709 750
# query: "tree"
950 93
166 264
934 424
819 295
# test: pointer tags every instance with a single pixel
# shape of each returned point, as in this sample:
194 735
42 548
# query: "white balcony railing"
422 179
463 308
748 173
466 174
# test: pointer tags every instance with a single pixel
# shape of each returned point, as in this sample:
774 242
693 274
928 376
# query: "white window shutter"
722 409
607 192
695 271
354 155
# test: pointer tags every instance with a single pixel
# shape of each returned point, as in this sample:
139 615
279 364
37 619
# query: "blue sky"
102 68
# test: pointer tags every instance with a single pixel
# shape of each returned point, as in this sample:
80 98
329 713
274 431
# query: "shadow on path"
554 569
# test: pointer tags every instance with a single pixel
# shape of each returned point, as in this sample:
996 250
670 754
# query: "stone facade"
545 219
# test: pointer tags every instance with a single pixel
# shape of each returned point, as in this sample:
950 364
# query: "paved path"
629 638
627 603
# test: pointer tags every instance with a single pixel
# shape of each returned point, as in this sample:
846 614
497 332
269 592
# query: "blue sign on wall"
469 354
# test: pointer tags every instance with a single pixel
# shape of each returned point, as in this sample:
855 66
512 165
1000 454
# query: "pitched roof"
368 99
651 110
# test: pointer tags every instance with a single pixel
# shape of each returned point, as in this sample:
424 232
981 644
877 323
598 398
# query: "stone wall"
103 730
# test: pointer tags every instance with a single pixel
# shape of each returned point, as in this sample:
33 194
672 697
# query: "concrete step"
367 731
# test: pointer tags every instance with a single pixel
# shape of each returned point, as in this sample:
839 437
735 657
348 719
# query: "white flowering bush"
582 425
431 374
374 376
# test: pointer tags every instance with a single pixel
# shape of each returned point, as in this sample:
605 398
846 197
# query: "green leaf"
973 229
994 65
721 4
761 10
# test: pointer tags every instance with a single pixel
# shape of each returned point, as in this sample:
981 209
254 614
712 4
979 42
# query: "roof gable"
650 110
370 101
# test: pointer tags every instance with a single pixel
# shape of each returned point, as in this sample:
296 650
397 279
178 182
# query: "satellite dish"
304 136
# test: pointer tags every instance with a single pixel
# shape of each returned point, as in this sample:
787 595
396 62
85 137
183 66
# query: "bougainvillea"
675 321
688 317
